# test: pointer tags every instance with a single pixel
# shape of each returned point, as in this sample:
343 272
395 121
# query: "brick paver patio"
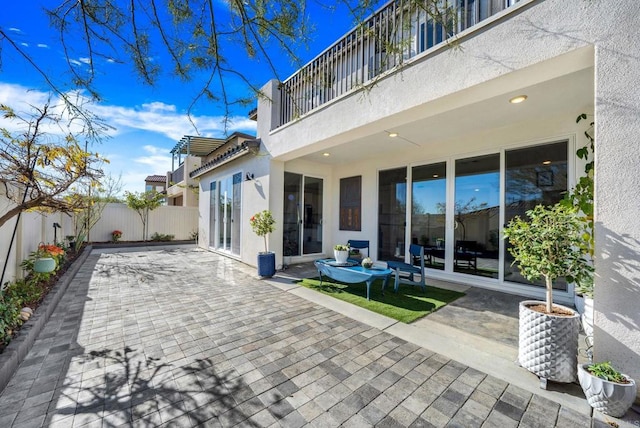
183 338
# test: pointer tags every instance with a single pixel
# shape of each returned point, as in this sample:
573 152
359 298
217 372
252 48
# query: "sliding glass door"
477 216
392 213
225 213
428 211
533 176
303 211
458 208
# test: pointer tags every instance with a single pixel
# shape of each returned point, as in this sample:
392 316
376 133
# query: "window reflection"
477 216
534 175
429 197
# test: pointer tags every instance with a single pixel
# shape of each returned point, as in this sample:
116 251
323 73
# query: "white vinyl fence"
35 227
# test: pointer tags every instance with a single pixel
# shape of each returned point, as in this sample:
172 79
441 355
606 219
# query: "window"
350 203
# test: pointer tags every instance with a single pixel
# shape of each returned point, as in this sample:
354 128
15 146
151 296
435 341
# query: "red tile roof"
156 179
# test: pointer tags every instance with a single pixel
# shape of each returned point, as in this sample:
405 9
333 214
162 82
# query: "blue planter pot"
43 265
266 264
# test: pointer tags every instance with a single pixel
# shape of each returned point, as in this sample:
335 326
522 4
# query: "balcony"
399 31
177 176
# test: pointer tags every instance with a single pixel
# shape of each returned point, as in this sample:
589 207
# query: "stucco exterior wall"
617 181
254 198
518 135
539 41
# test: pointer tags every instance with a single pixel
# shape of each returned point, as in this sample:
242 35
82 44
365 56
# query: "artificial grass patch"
408 305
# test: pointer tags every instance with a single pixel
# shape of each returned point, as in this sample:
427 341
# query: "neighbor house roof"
156 179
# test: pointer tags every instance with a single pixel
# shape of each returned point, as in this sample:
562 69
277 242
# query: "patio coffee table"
352 273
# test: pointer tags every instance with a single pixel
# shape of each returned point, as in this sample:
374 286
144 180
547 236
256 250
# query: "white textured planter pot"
341 256
587 316
610 398
548 344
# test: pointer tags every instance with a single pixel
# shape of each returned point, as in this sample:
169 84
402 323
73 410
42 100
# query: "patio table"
352 273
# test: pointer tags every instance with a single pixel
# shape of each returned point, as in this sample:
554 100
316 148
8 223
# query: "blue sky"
148 121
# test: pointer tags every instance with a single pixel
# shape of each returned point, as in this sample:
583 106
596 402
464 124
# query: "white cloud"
15 30
43 45
164 119
159 106
152 118
26 45
155 117
23 100
85 60
157 156
75 62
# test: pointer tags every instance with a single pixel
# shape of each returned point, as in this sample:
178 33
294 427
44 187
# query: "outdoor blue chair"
404 272
358 245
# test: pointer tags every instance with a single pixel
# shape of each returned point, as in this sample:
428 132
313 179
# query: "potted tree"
607 390
263 224
549 245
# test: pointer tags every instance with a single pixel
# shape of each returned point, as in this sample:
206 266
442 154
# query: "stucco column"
617 192
268 108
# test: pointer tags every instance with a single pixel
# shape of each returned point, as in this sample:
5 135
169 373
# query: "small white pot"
610 398
341 256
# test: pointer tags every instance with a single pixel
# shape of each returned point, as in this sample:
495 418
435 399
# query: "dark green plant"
581 198
24 291
142 203
606 371
9 317
549 245
161 237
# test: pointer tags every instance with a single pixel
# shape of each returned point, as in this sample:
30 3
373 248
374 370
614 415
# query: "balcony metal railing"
177 176
400 30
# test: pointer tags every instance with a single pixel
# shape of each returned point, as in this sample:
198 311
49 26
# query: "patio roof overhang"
197 146
231 154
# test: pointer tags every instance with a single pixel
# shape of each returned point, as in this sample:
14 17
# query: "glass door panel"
235 213
213 225
303 198
428 211
312 216
477 216
533 176
291 221
392 209
224 214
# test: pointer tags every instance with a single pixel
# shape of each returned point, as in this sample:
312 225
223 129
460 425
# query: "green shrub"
24 291
606 371
9 317
161 237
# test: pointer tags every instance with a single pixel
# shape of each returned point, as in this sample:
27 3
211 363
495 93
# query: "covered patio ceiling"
571 93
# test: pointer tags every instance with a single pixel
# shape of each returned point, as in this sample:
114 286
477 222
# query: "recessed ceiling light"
435 176
518 99
326 154
393 134
547 162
